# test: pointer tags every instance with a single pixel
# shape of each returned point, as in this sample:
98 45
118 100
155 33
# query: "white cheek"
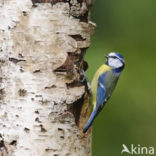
114 62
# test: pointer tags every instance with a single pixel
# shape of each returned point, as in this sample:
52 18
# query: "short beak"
106 56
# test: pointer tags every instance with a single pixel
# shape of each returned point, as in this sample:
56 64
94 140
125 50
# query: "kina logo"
140 150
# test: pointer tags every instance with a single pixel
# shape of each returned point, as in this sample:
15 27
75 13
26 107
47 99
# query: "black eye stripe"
113 57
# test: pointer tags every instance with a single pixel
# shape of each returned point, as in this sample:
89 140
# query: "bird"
104 82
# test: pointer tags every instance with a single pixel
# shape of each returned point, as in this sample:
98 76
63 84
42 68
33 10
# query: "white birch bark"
43 105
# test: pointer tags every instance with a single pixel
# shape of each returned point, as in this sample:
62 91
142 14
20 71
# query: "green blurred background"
128 27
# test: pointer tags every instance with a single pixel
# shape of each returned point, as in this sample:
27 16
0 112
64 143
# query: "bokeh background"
128 27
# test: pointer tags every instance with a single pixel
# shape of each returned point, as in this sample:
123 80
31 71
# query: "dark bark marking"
1 79
22 92
24 13
48 1
3 148
62 137
85 65
37 71
27 130
17 116
38 95
21 70
83 18
53 2
53 86
37 112
13 142
14 60
49 149
1 93
20 55
37 120
55 103
60 129
41 1
2 61
44 102
1 141
73 84
80 1
78 37
43 129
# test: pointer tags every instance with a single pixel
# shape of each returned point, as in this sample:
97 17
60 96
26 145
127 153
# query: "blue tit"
104 82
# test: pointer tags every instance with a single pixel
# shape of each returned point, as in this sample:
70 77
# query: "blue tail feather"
90 121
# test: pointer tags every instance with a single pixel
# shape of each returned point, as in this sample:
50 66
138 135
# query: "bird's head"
115 60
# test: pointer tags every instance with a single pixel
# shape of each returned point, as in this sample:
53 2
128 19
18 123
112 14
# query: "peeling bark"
43 102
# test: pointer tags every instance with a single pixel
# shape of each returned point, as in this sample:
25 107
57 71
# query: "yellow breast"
94 83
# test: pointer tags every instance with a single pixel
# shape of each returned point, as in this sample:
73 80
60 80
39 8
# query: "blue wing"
101 92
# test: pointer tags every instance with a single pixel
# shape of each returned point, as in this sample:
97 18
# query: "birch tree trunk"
43 102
